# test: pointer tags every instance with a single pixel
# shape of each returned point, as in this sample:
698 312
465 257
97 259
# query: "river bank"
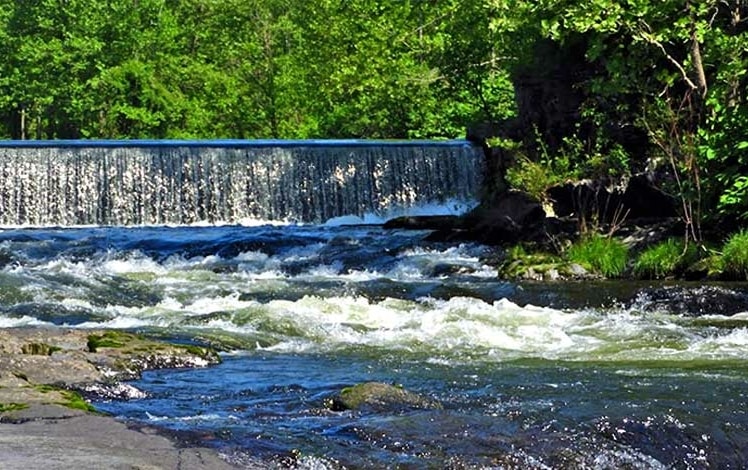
45 422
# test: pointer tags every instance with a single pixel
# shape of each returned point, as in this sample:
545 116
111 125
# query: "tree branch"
651 40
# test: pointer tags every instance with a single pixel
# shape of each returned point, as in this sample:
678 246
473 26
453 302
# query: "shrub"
603 255
660 260
735 256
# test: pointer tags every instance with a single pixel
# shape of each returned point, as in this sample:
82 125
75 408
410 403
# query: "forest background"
572 89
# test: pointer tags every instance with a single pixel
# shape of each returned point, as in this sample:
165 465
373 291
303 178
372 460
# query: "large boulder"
638 198
507 220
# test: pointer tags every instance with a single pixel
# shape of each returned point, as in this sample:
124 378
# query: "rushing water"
530 376
45 183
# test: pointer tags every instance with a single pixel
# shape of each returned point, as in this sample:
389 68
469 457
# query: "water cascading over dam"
64 183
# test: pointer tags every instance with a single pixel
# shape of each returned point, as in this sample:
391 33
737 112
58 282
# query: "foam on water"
308 310
449 207
20 322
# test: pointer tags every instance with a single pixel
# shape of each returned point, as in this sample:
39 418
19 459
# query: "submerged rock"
380 397
424 222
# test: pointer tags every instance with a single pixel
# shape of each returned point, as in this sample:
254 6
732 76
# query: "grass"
735 256
599 254
660 260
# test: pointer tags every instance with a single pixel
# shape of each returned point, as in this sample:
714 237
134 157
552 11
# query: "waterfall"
63 183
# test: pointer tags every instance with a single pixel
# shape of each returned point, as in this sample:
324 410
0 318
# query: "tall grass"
735 256
660 260
602 255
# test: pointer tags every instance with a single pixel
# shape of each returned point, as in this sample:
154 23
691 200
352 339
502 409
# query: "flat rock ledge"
45 421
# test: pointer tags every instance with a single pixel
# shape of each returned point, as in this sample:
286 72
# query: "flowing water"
530 376
44 183
580 375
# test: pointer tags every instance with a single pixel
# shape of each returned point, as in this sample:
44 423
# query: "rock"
643 199
56 438
46 423
426 222
505 221
691 301
445 269
586 198
77 359
639 198
380 397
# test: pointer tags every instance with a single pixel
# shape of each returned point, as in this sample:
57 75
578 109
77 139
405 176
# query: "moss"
69 398
379 396
708 267
521 264
75 401
39 349
109 339
202 352
603 255
43 388
6 407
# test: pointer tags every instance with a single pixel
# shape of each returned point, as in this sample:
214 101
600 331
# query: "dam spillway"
125 183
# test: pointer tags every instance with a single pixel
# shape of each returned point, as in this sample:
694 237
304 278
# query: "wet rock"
426 222
31 358
445 269
45 421
507 220
380 397
691 301
54 437
541 266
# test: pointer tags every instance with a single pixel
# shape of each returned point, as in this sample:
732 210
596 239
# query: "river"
577 375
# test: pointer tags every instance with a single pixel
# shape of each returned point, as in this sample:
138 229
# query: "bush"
735 256
660 260
532 177
602 255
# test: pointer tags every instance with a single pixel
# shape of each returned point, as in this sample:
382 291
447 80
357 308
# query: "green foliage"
735 256
536 177
724 154
248 69
665 259
604 255
672 70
